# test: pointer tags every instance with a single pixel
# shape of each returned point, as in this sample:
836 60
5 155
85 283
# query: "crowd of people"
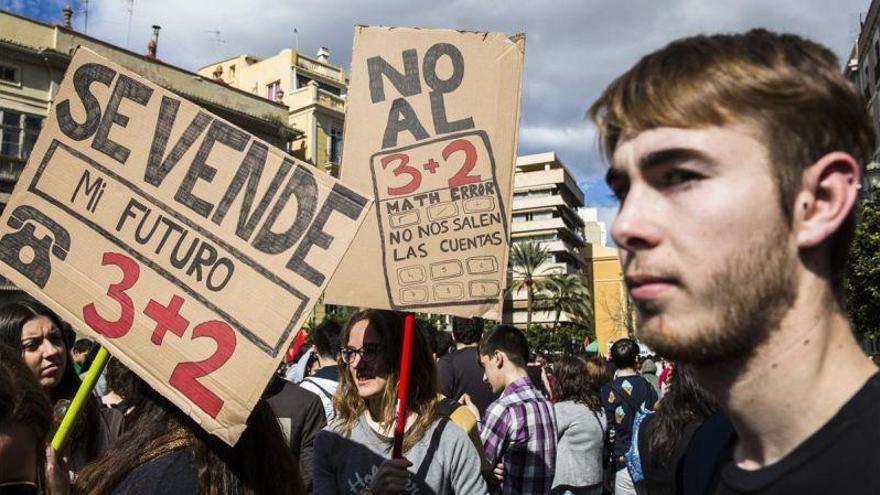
476 421
736 159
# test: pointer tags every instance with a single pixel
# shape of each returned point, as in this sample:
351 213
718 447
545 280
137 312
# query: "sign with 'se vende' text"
190 249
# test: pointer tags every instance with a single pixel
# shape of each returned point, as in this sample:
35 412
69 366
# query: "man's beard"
750 295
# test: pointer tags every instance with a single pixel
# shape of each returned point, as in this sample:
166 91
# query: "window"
232 72
272 90
542 216
335 145
9 74
18 133
10 140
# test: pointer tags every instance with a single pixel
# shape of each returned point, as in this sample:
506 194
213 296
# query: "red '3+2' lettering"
186 374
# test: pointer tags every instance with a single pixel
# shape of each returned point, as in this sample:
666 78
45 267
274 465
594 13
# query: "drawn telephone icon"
12 245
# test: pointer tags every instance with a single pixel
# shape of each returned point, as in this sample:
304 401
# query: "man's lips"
643 286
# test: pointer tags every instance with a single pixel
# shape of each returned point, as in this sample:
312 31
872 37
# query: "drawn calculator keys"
484 288
479 205
448 292
443 210
414 295
445 269
482 264
442 222
411 275
401 220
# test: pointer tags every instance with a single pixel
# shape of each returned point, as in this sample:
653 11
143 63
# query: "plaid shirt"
519 429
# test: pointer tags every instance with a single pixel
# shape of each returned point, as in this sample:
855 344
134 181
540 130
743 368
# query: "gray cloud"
574 48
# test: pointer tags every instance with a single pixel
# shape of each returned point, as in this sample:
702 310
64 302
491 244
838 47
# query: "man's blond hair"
791 90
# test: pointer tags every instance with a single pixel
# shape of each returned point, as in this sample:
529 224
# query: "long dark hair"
423 390
685 402
22 401
259 463
13 317
579 380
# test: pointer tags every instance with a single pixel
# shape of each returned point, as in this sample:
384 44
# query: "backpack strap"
323 391
432 447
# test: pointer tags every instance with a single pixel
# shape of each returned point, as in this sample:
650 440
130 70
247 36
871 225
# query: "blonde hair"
422 393
788 88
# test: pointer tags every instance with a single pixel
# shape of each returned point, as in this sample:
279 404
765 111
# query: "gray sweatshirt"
347 465
580 434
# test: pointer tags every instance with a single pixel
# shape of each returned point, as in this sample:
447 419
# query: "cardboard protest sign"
431 126
190 249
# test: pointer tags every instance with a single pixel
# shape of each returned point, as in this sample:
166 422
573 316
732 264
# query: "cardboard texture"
187 247
431 126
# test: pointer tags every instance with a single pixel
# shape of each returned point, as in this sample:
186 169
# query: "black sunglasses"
368 353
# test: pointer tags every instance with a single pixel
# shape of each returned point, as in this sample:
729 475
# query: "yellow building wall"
609 296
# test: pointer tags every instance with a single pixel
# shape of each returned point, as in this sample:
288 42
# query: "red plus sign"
431 165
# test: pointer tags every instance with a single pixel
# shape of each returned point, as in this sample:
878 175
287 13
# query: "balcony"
312 95
328 71
534 202
528 180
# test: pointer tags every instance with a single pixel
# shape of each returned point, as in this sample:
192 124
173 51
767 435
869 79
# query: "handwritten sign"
189 248
439 154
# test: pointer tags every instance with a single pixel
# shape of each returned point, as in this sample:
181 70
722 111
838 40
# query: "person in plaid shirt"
519 429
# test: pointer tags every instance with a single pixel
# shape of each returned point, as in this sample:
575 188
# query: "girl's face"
42 349
365 358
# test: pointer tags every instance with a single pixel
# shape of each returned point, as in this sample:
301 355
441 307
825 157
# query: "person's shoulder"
172 473
570 407
448 361
289 400
452 435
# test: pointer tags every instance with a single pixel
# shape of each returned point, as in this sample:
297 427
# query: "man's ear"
502 357
830 189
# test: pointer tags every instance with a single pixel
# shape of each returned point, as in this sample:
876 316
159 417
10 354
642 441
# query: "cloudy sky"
573 50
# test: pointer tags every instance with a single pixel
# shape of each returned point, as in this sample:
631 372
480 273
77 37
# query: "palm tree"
525 260
569 293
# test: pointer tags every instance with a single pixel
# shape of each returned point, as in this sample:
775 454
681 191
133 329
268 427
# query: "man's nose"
636 226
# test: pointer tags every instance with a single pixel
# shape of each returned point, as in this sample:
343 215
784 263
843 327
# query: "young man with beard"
737 160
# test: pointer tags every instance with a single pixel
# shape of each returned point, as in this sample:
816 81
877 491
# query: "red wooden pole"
409 327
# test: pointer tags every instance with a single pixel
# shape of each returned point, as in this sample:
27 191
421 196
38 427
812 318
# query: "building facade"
863 70
613 313
313 90
545 206
33 59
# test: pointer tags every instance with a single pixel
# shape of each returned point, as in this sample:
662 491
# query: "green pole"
79 400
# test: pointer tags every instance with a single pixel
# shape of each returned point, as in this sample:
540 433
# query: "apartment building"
863 70
33 59
311 87
545 206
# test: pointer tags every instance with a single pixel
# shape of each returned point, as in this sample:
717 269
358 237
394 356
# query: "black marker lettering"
341 199
83 78
200 169
127 88
407 83
401 118
157 167
303 187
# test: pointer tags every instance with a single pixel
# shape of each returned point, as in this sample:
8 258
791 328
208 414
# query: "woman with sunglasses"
354 453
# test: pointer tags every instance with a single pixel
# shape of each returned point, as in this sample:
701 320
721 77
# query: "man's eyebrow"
671 156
